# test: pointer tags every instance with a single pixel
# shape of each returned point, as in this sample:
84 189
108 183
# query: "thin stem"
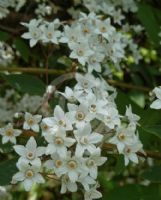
60 72
147 154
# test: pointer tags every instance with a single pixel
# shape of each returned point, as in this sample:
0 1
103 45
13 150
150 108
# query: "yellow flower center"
30 122
9 132
90 163
58 163
62 123
80 52
84 140
93 108
49 34
29 173
59 141
121 136
72 164
80 115
103 29
30 156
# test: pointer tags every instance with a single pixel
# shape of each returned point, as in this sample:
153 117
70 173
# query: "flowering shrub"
87 123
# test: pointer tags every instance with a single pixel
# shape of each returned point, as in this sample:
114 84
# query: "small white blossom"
28 175
86 140
157 103
58 143
92 193
30 153
9 134
34 34
32 122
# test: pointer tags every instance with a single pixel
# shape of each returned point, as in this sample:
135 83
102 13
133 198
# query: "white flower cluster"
74 138
111 7
5 5
8 107
157 103
6 54
92 41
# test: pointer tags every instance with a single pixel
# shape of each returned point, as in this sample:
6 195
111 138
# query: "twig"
128 86
147 154
60 72
31 70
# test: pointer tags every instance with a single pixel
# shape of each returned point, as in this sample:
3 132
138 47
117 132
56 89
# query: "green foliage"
22 48
153 174
134 192
4 36
7 170
26 83
148 19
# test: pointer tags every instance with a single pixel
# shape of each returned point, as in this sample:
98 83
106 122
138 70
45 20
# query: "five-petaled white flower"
30 153
9 134
28 175
58 143
32 122
86 140
157 103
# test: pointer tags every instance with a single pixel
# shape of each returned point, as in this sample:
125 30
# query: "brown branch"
60 72
128 86
31 70
147 154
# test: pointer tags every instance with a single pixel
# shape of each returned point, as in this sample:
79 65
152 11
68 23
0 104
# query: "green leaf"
4 36
153 174
123 100
138 98
156 130
7 170
22 48
65 61
26 83
120 165
147 17
150 117
134 192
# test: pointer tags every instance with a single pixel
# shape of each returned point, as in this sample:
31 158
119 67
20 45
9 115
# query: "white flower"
58 143
104 28
85 83
71 35
129 153
86 181
60 119
32 122
30 153
79 115
124 136
92 193
94 161
94 62
48 127
50 34
86 140
9 134
34 34
56 164
81 51
112 118
96 106
72 167
69 95
157 103
66 184
118 17
28 175
133 118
